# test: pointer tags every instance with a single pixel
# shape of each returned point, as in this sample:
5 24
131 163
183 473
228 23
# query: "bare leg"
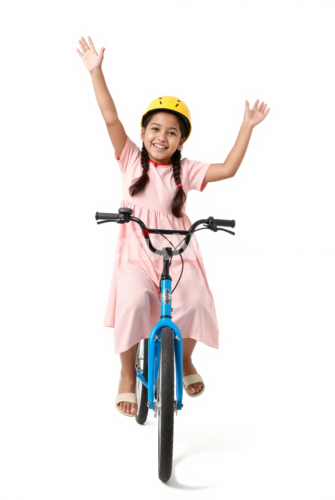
188 367
128 377
128 372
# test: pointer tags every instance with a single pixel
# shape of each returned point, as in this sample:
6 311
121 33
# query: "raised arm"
252 117
93 62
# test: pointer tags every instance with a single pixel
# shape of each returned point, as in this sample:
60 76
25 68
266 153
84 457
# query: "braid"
139 183
180 196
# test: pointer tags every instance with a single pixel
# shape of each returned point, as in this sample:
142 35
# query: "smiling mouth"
159 147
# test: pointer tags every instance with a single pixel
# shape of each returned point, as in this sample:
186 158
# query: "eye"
154 128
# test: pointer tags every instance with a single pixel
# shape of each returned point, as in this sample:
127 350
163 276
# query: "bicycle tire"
141 391
166 401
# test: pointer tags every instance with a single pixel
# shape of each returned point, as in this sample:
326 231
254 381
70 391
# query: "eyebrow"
160 126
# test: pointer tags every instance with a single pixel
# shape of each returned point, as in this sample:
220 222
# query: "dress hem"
194 337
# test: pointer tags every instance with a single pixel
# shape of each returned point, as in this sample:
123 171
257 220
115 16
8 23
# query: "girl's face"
162 137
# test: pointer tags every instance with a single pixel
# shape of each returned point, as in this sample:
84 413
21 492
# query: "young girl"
155 184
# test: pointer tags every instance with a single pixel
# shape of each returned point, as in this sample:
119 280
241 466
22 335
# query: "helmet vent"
178 100
176 105
160 102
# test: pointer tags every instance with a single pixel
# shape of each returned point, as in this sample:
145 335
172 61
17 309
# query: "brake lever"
227 230
118 221
102 221
214 228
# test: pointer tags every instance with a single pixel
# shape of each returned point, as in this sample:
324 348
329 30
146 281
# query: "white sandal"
193 379
126 397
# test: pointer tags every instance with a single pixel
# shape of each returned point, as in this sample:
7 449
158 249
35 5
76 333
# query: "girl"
155 183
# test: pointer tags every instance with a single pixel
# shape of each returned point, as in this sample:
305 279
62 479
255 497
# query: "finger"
82 46
261 107
264 108
81 55
90 43
85 43
255 105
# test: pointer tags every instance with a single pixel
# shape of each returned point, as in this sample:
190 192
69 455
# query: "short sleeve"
129 155
196 171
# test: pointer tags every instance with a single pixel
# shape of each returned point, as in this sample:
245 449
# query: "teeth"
160 147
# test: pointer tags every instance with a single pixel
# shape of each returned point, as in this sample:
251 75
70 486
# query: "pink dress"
133 306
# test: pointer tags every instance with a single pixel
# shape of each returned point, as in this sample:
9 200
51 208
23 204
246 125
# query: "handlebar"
125 216
107 216
223 222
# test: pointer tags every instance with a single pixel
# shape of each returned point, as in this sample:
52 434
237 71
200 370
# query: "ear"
180 145
142 134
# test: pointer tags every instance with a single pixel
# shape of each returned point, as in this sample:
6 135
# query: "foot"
127 384
189 369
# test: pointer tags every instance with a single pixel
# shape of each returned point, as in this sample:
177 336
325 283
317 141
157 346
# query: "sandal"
128 397
193 379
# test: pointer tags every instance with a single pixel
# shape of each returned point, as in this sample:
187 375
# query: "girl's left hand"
255 116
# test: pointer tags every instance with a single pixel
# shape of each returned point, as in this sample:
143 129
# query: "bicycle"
160 355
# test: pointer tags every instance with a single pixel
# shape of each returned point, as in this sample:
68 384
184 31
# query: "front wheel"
165 404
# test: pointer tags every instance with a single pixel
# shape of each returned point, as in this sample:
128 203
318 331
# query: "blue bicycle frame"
154 349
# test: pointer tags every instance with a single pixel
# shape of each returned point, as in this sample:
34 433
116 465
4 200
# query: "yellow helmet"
168 102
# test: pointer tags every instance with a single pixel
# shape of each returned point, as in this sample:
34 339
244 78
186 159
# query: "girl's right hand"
90 57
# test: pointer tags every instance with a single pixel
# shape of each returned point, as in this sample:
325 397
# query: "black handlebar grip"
226 223
100 215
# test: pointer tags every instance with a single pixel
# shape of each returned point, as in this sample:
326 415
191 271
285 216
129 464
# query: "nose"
162 136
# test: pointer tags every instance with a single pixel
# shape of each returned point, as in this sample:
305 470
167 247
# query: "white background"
264 428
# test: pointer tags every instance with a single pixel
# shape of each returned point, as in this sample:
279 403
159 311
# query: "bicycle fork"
154 344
